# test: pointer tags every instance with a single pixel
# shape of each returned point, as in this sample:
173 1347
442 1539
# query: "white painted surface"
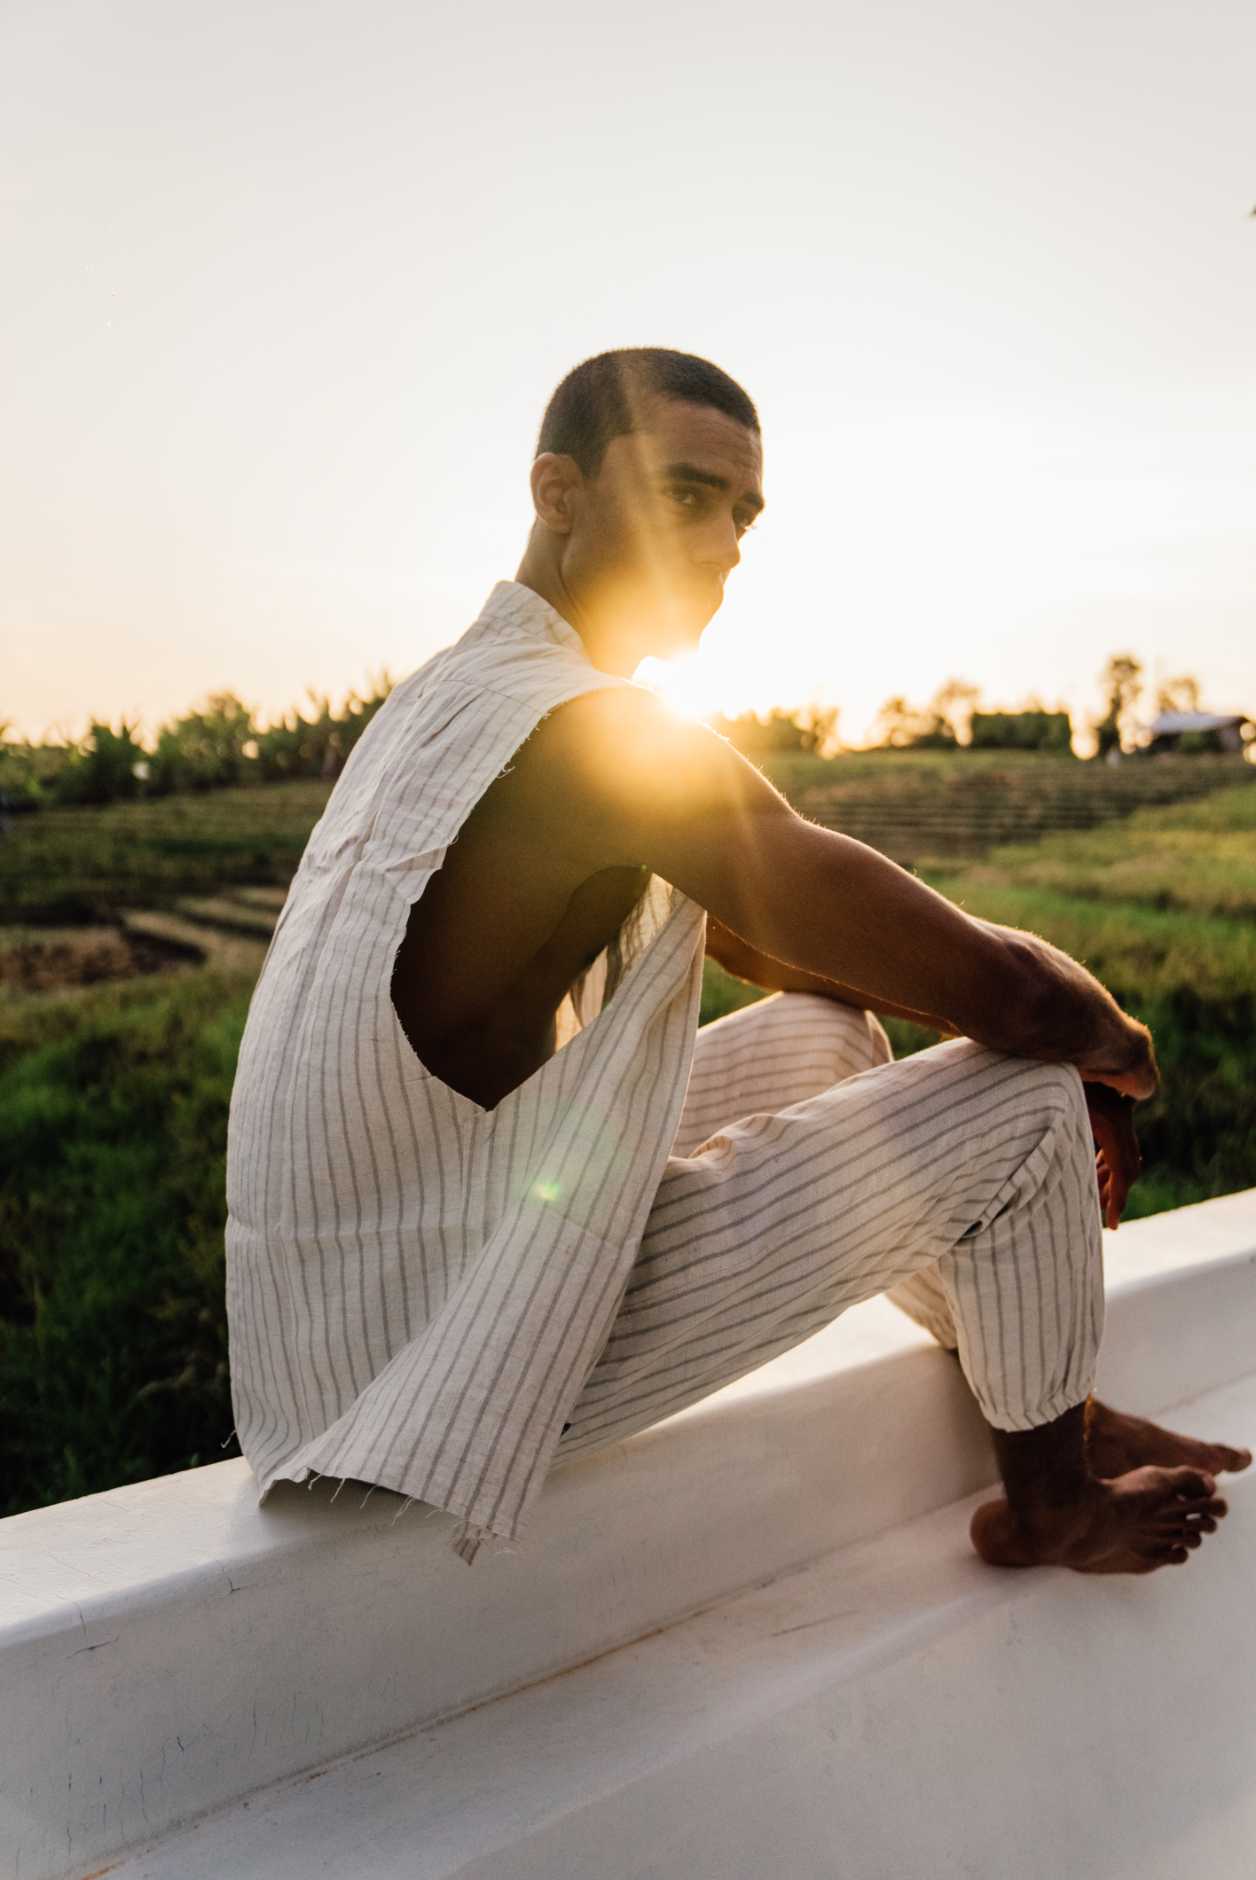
894 1712
168 1648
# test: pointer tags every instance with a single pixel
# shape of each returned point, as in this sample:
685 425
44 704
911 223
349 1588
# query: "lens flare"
684 685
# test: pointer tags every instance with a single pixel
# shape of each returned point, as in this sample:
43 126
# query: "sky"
286 288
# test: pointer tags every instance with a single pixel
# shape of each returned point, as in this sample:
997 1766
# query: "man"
493 1202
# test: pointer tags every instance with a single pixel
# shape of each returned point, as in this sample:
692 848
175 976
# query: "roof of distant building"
1169 724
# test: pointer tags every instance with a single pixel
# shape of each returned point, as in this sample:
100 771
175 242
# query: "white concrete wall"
893 1712
168 1648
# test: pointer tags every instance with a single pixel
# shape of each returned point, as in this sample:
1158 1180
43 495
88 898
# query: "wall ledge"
169 1648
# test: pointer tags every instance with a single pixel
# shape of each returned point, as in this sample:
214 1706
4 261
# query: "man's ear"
557 482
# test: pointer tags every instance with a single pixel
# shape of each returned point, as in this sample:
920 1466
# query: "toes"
1192 1484
1164 1538
1214 1457
1187 1520
1155 1554
1194 1511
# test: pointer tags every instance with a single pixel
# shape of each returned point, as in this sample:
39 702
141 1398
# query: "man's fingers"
1119 1152
1136 1085
1117 1162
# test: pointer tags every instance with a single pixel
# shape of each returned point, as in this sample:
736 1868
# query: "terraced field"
920 816
83 866
76 866
121 1021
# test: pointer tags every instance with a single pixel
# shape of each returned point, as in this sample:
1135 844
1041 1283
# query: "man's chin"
690 623
683 643
678 621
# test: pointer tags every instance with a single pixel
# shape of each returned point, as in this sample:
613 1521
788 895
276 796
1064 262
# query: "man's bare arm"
649 788
738 957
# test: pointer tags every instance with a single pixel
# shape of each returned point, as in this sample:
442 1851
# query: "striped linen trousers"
810 1171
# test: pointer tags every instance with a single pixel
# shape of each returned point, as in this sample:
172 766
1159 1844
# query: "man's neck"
607 649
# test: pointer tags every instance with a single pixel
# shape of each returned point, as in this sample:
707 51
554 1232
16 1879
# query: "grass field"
1195 857
69 866
113 1095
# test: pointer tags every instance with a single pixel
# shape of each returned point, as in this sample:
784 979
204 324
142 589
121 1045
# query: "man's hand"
1126 1065
1118 1163
1106 1044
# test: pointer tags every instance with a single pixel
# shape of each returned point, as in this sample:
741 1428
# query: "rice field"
130 939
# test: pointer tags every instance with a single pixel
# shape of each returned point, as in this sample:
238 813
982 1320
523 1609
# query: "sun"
684 685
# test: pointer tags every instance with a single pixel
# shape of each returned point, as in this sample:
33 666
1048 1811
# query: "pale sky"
286 288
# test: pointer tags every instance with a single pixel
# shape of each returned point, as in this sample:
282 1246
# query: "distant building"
1199 731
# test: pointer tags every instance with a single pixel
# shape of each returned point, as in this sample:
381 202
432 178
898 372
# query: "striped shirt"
417 1288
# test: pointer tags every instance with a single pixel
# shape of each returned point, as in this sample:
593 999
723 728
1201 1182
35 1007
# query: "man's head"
648 472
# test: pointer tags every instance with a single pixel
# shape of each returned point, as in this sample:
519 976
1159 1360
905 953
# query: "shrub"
106 767
204 750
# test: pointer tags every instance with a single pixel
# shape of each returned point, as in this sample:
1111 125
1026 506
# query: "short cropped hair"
602 398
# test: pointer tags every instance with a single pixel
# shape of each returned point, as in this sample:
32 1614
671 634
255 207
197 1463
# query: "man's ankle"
1044 1467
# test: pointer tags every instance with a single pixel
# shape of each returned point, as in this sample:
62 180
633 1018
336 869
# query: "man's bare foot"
1144 1519
1059 1512
1116 1443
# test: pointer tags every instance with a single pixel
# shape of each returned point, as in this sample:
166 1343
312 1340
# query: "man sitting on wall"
493 1197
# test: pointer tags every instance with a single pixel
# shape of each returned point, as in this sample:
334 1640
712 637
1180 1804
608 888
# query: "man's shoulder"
621 737
630 764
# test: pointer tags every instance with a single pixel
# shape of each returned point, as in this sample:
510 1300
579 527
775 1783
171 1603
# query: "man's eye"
680 493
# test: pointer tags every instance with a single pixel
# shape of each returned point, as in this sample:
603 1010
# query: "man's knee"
1021 1105
1053 1090
858 1037
1054 1097
1059 1088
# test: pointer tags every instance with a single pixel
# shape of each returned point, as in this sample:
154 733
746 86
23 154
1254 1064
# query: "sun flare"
684 685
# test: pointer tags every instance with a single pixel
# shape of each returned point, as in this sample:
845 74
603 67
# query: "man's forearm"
908 947
738 957
691 808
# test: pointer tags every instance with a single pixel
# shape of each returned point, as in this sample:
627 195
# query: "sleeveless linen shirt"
417 1287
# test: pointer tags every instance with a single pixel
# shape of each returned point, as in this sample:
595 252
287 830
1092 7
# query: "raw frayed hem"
470 1541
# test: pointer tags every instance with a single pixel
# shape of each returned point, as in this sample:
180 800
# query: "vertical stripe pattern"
812 1171
443 1300
417 1287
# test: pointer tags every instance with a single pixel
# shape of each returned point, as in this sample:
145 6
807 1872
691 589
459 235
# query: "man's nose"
724 552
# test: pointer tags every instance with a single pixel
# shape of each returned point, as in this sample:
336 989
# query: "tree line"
221 742
953 716
217 744
954 719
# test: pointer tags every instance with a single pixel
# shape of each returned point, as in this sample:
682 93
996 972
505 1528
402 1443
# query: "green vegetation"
113 1355
210 748
1197 856
71 865
113 1096
929 808
1021 731
1154 906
